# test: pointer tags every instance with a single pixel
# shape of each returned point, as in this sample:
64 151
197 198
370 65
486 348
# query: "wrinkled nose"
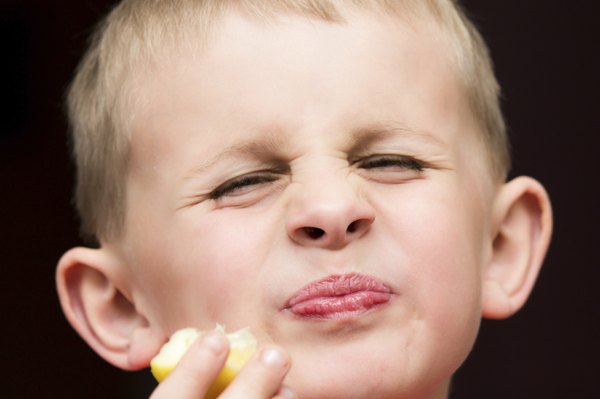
328 215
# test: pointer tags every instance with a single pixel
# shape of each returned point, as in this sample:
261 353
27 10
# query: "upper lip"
337 285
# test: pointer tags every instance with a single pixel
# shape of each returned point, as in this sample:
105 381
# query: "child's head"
139 35
251 163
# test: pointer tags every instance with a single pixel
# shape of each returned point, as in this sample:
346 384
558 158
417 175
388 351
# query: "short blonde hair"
101 97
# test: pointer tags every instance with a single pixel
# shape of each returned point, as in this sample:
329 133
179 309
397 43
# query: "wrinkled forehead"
170 53
294 75
239 45
141 37
190 38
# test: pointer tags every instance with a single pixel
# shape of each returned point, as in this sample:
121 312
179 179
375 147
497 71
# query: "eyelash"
383 161
233 185
372 162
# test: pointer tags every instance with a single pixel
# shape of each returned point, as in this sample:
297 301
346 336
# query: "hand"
260 378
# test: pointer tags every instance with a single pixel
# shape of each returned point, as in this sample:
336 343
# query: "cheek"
438 235
450 260
203 270
446 254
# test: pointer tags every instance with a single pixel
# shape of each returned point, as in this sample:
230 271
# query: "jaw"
327 354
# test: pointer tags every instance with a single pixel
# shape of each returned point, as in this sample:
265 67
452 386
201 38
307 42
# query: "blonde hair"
102 95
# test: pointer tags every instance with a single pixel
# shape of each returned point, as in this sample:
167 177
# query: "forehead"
297 74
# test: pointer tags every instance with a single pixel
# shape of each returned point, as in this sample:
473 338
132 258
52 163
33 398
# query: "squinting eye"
391 161
238 185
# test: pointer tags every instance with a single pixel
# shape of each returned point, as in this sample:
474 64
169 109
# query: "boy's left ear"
522 226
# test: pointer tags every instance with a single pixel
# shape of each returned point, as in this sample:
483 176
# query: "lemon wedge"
242 345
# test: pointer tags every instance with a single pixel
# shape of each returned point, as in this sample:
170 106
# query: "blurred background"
547 60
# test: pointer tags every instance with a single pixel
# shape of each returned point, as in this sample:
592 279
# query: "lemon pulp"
242 345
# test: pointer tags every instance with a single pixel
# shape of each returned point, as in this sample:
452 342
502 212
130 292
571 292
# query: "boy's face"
287 153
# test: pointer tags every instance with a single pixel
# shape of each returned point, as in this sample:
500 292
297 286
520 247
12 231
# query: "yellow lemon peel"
242 346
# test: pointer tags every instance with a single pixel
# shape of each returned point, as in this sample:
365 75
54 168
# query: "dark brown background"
546 54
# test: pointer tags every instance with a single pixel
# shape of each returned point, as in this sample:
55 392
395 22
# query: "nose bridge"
327 209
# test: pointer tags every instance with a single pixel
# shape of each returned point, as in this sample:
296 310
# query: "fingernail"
273 358
214 342
286 392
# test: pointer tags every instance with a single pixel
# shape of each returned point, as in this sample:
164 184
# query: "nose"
328 214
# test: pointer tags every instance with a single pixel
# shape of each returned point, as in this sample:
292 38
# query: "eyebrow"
272 147
365 137
269 148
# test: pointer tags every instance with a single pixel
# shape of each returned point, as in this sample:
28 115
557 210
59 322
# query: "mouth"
339 297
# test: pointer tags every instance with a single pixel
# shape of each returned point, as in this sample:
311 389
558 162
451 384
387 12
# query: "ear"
522 226
100 307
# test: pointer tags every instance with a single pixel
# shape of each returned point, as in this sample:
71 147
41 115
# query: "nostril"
352 227
358 225
314 232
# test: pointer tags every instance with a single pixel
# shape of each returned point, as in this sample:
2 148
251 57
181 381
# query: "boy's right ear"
98 302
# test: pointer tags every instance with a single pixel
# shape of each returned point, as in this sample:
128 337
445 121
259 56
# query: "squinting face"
325 185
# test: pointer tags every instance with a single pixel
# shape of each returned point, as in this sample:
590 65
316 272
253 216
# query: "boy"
330 174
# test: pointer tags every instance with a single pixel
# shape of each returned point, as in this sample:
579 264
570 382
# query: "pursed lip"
339 296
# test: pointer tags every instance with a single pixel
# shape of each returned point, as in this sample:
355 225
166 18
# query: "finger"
262 376
197 369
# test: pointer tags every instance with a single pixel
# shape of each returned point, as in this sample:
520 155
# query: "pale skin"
277 130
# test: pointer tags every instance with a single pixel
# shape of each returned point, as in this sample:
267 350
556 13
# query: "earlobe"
101 309
522 226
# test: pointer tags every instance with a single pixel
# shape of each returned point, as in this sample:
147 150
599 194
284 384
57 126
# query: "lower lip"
340 307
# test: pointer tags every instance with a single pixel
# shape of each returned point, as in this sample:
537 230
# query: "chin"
362 368
335 386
